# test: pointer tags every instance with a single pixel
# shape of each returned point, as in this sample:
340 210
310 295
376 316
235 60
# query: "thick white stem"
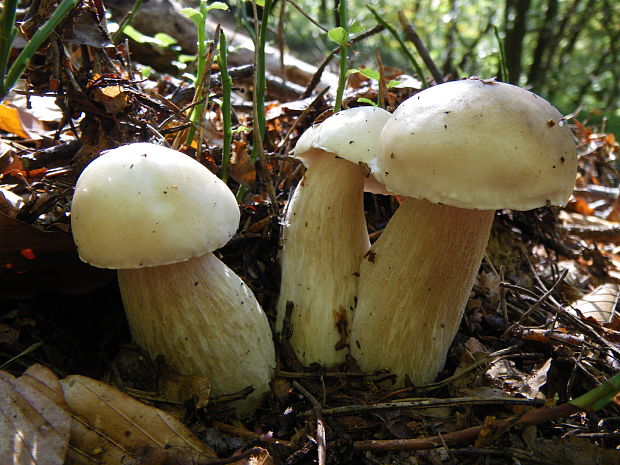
204 320
414 285
324 240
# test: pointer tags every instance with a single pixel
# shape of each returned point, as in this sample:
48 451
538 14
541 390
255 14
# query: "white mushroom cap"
352 134
145 205
479 145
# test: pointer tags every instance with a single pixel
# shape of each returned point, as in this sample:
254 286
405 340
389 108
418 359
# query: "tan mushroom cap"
479 145
352 134
145 205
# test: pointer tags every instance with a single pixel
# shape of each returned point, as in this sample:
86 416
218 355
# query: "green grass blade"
226 108
7 34
502 55
260 85
39 37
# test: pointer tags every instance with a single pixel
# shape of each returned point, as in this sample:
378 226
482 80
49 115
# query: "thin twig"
304 375
320 427
413 36
424 404
483 361
307 16
502 297
538 303
319 72
570 319
299 119
469 435
392 30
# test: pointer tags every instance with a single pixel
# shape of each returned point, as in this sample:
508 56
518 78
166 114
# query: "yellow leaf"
9 121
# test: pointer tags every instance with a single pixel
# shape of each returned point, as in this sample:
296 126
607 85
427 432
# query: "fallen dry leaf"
241 167
504 375
181 388
9 121
110 427
20 122
113 98
34 423
599 304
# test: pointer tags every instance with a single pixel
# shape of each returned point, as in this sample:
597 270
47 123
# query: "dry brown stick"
329 374
307 16
469 435
320 427
568 318
609 233
383 99
537 304
413 36
424 404
319 72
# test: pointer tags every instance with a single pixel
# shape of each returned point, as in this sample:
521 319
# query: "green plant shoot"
260 85
502 55
340 35
374 75
225 106
199 18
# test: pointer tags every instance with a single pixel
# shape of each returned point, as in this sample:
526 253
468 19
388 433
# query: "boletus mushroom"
458 151
157 215
325 235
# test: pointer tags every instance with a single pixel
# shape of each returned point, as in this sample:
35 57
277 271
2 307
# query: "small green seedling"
374 75
199 18
340 35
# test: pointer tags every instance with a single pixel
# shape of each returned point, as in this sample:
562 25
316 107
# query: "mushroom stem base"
414 285
324 240
204 320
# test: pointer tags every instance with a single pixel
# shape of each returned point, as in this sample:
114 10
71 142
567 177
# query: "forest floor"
540 328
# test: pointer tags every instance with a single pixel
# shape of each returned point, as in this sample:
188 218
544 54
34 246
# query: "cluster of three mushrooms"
156 215
457 151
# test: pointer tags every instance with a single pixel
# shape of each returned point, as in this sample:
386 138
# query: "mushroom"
325 235
156 215
457 151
